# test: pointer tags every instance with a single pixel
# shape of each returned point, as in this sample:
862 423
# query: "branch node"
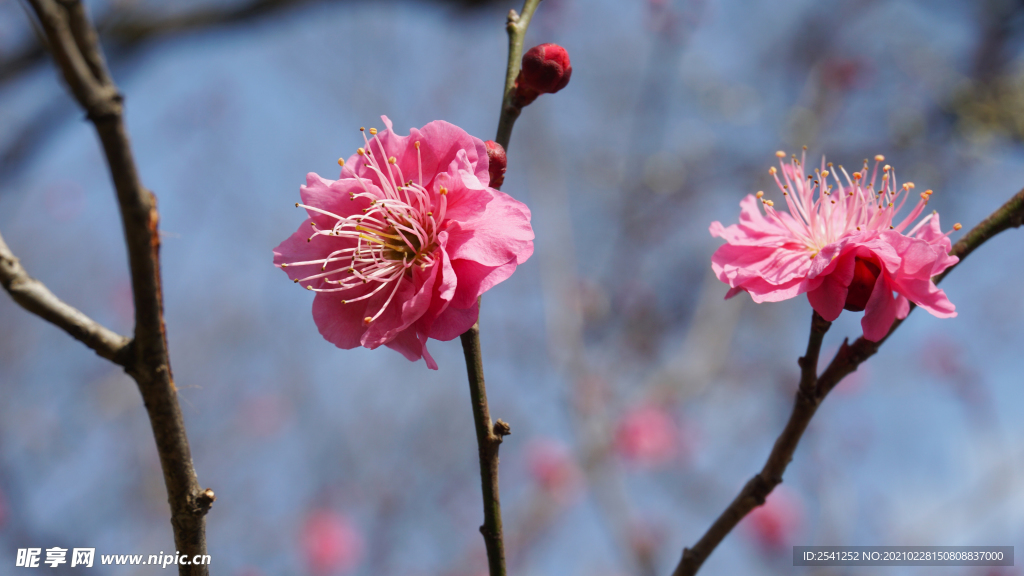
204 501
501 428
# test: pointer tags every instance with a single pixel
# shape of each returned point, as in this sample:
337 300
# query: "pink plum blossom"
330 543
553 468
647 435
846 248
774 525
402 245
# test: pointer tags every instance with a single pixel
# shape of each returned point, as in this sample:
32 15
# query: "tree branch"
34 296
72 40
813 390
488 435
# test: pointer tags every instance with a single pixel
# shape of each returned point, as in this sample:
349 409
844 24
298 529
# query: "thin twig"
488 435
73 42
516 27
35 297
813 389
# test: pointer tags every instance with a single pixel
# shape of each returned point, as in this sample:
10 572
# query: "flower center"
395 233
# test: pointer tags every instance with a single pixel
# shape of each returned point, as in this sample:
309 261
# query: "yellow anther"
367 320
308 287
824 173
391 160
805 148
769 202
373 131
886 168
910 185
341 162
780 154
879 158
928 192
443 191
924 196
760 193
360 151
361 129
957 226
772 170
416 144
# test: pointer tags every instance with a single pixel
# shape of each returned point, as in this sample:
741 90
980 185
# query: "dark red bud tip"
546 70
865 273
496 163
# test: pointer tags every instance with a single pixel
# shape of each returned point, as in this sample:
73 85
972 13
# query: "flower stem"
516 27
814 388
488 435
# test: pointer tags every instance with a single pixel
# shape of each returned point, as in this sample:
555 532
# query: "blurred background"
640 401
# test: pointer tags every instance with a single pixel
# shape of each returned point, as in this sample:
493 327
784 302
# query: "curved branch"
72 40
34 296
813 389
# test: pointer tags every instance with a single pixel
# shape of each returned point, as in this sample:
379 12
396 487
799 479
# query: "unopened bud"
496 163
546 70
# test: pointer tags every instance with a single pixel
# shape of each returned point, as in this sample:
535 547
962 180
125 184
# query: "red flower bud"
546 70
865 272
496 163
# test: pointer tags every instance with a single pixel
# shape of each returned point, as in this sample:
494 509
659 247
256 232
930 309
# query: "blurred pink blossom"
553 467
845 249
647 435
775 524
331 543
400 248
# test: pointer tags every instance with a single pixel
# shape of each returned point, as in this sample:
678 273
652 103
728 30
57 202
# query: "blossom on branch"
402 245
841 243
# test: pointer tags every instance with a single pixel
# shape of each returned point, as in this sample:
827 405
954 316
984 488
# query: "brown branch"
72 41
813 389
488 436
35 297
